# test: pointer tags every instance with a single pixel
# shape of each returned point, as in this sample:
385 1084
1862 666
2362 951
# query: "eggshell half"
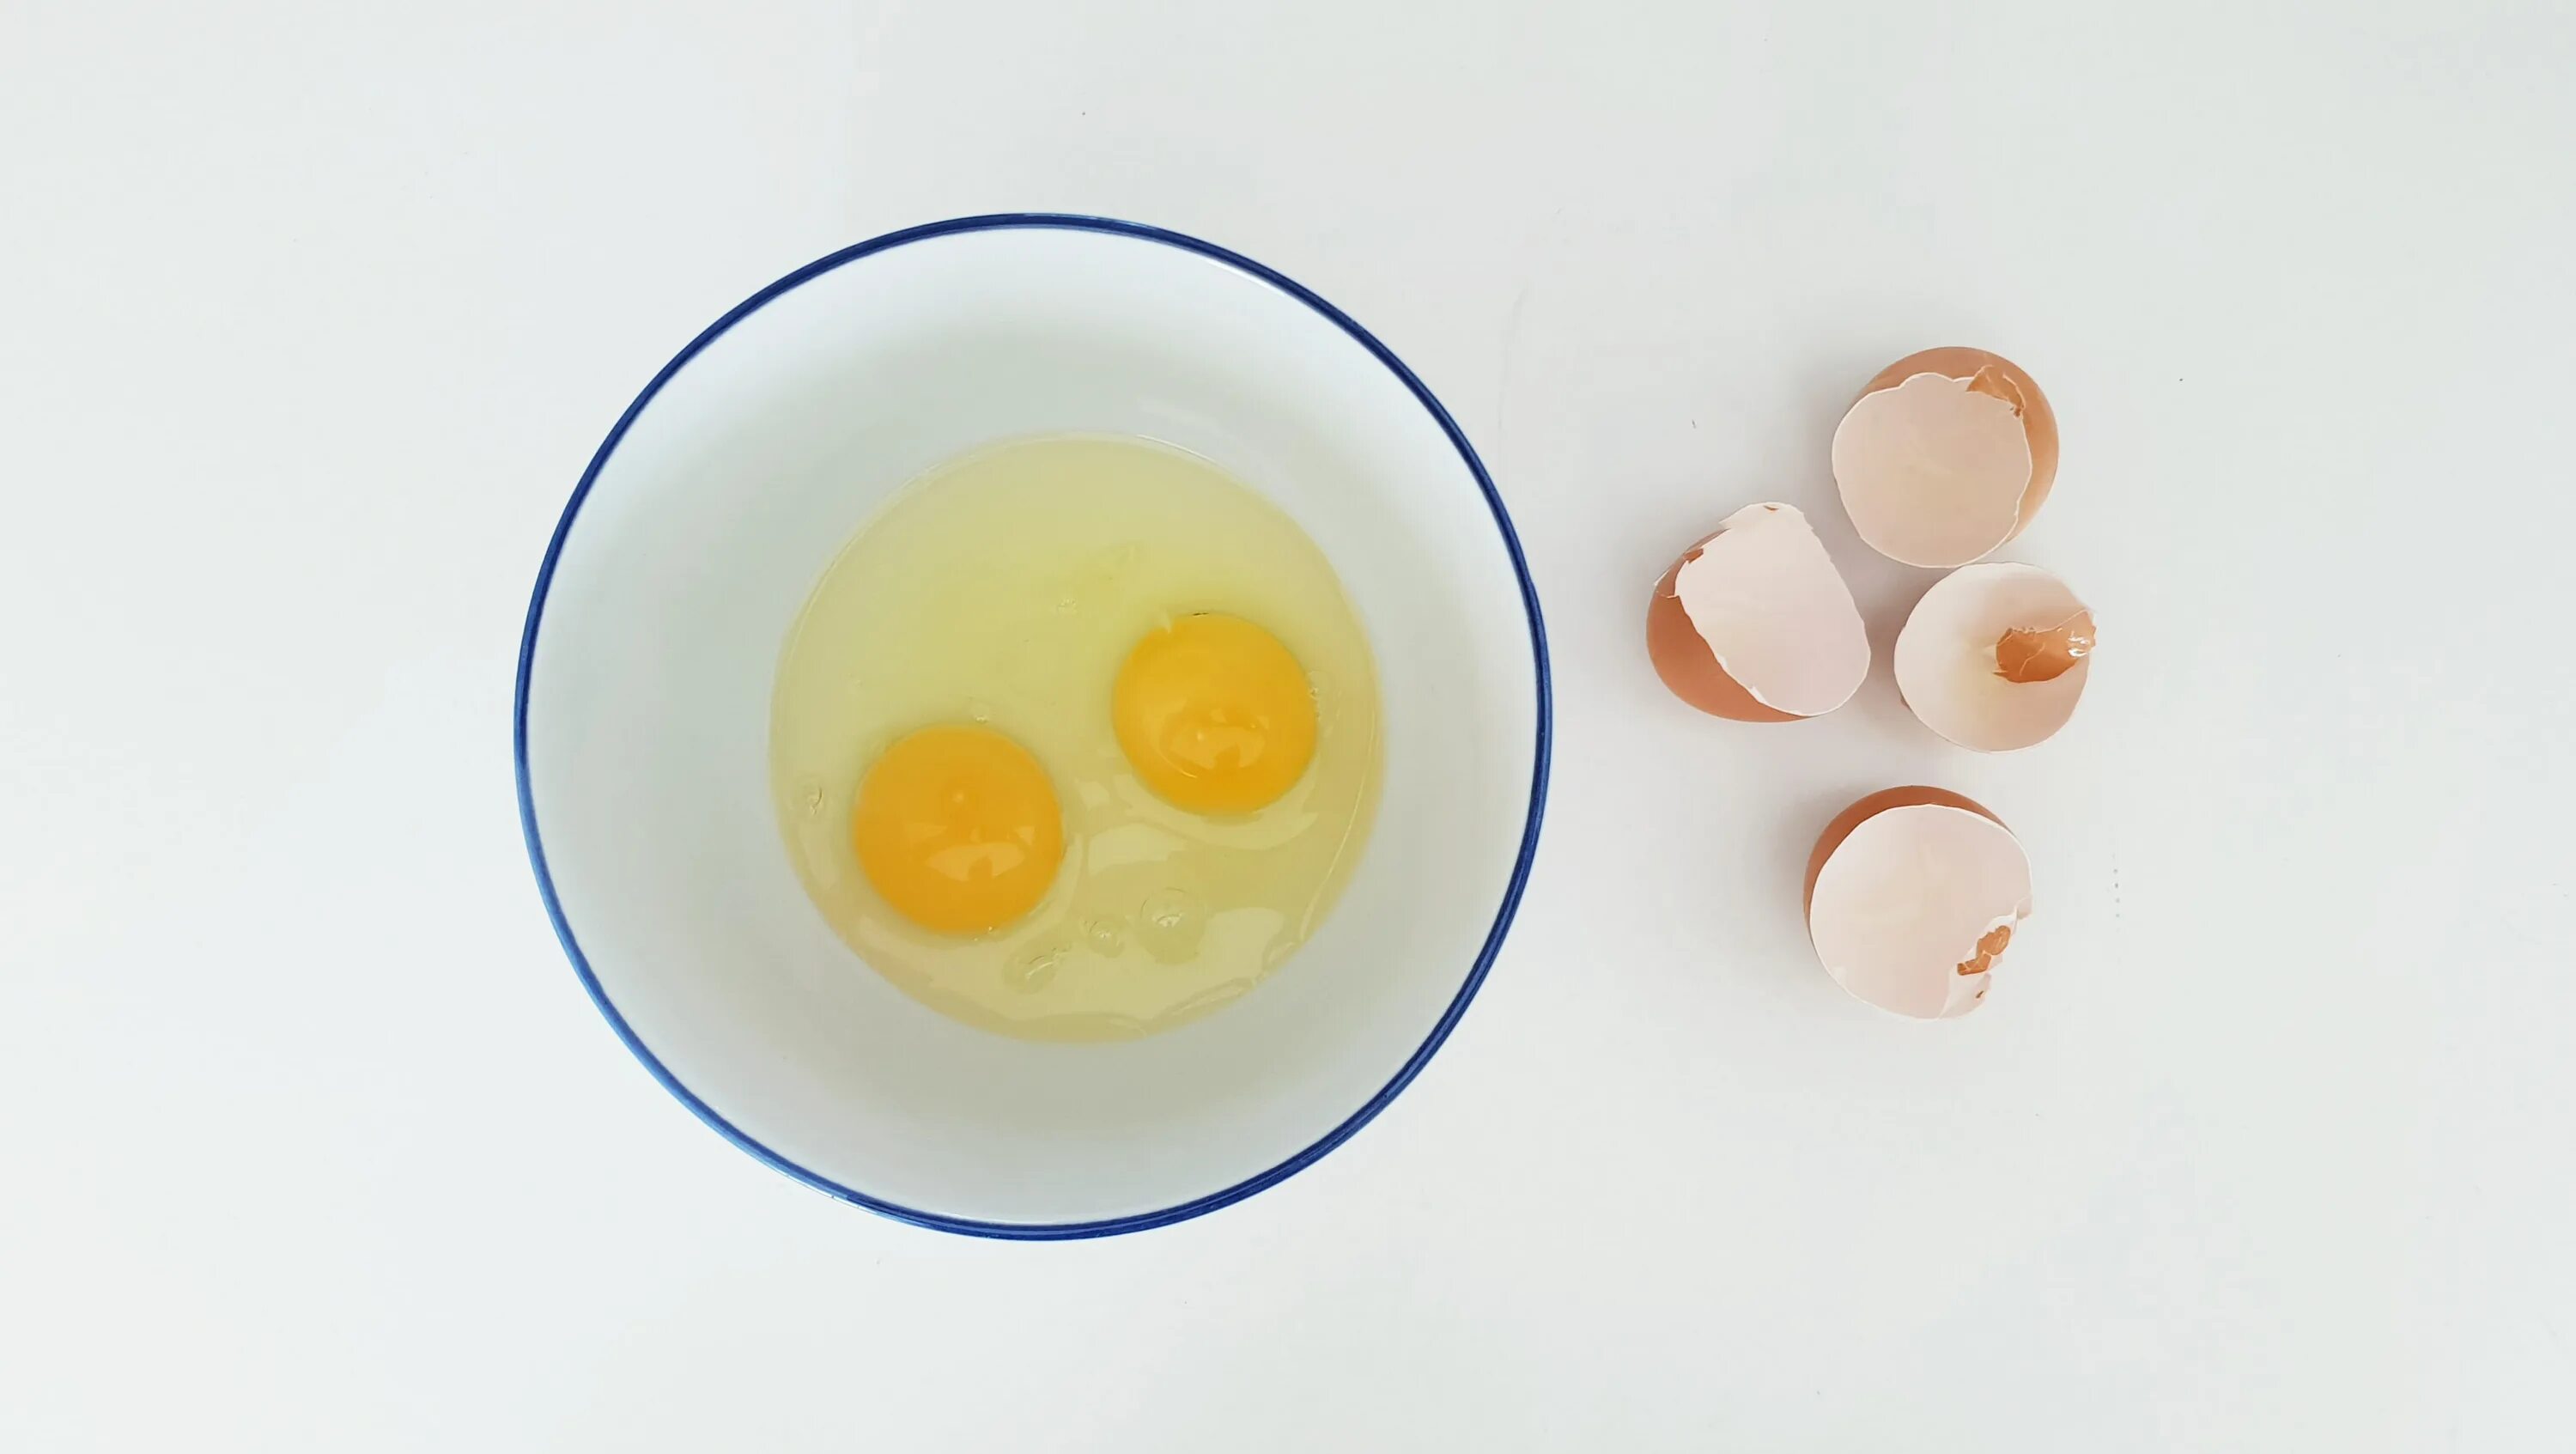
1913 897
1946 455
1995 656
1754 622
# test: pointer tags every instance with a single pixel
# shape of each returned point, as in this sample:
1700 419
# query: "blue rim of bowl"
1039 1231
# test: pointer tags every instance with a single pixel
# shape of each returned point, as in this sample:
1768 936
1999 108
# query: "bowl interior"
706 524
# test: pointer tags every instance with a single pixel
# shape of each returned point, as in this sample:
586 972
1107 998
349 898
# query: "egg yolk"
958 828
1214 714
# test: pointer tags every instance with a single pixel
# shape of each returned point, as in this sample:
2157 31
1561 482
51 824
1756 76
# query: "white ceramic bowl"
644 688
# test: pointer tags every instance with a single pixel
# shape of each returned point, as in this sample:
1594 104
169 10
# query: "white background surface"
310 316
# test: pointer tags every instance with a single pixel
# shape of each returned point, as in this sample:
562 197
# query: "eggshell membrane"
1945 657
1947 455
1904 888
1754 623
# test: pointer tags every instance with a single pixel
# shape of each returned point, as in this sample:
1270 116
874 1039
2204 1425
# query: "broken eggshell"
1945 456
1754 622
1913 895
1995 656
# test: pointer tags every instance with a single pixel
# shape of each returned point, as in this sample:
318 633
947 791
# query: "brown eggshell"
1682 657
1755 622
1870 807
1913 897
2008 381
1950 658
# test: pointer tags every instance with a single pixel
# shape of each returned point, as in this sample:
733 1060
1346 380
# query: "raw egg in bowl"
1034 725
